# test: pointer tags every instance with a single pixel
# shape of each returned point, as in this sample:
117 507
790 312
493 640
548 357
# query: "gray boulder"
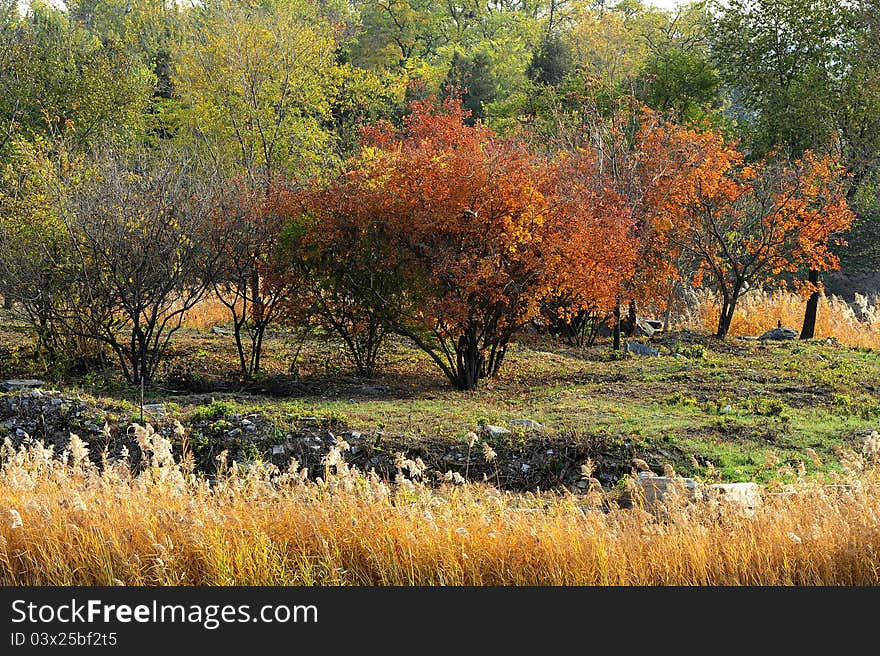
526 424
779 334
657 489
746 495
640 349
496 431
20 383
643 329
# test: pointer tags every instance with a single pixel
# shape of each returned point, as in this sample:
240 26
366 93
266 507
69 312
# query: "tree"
747 224
35 251
679 76
786 59
337 245
60 81
783 58
259 79
137 226
551 62
481 229
247 237
470 77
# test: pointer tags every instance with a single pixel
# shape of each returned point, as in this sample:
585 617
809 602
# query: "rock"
277 449
656 489
642 329
155 410
20 383
656 324
217 330
640 349
235 432
746 495
527 424
496 431
780 334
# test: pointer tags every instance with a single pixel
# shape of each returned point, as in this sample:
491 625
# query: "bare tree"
140 254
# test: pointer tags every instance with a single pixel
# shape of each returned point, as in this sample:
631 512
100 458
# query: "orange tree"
745 225
478 229
640 159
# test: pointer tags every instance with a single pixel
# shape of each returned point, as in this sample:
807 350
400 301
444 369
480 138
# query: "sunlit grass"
759 311
66 521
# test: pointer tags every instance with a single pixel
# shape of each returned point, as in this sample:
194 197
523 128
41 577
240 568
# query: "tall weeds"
67 521
853 325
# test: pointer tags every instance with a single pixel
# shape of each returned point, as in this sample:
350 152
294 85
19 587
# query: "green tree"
258 81
784 62
472 78
62 81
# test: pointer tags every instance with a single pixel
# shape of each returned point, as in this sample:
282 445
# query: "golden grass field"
758 310
66 521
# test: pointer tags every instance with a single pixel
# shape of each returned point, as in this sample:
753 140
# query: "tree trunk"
469 361
616 332
809 328
728 307
724 318
631 318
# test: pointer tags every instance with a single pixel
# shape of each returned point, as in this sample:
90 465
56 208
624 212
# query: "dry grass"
67 522
207 313
759 311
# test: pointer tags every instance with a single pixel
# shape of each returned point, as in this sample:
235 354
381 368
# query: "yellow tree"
258 79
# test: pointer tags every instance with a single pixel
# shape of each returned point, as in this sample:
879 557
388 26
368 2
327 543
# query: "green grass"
751 409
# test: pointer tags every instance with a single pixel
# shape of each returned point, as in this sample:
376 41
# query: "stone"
496 431
746 495
640 349
155 410
277 449
656 489
656 324
527 424
217 330
779 334
643 329
20 383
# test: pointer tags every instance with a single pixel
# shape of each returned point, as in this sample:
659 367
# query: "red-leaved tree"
746 225
478 230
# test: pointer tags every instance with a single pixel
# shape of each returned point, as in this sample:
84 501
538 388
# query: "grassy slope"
752 409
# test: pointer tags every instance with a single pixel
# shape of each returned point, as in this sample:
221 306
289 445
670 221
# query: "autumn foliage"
478 230
743 225
445 233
